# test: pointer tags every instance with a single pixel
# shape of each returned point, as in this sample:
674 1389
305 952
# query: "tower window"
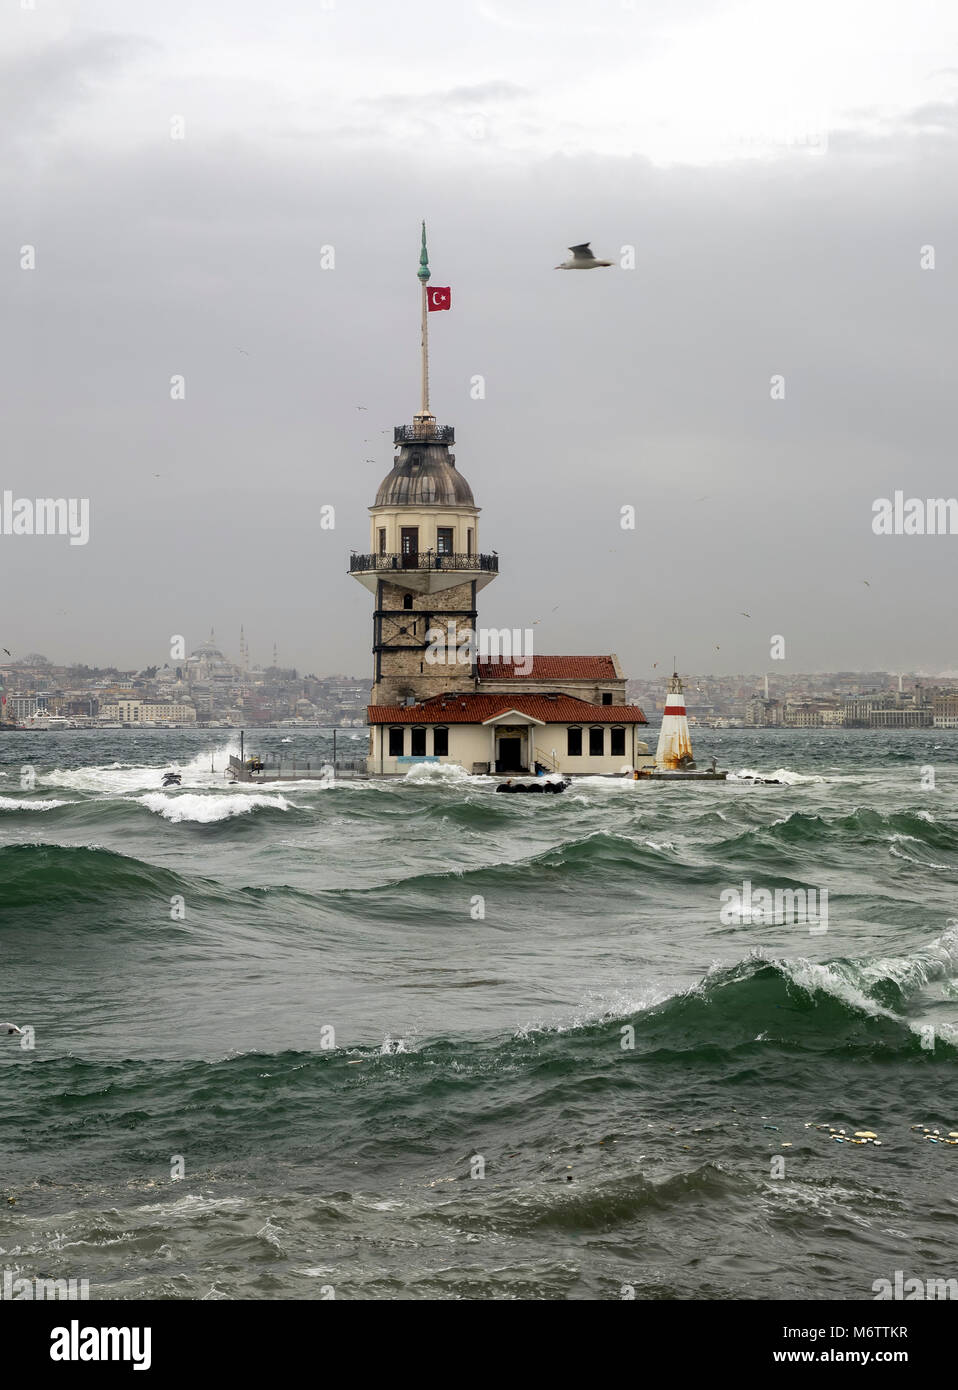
409 543
440 742
382 540
418 746
396 742
469 541
596 743
407 600
444 541
617 749
575 743
606 697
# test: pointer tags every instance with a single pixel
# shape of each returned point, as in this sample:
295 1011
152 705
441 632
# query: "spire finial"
423 272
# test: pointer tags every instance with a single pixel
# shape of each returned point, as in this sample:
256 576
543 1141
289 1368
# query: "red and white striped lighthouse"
674 752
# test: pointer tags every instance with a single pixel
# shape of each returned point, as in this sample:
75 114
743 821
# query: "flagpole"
423 273
425 353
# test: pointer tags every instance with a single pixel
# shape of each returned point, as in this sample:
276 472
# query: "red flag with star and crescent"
438 297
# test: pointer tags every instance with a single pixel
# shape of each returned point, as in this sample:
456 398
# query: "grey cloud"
39 87
647 387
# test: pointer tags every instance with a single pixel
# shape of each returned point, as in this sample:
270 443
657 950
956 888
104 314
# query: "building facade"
525 733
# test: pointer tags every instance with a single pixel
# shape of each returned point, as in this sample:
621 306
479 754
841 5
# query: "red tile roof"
475 709
549 668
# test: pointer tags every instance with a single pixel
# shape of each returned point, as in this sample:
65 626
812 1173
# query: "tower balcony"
424 572
424 430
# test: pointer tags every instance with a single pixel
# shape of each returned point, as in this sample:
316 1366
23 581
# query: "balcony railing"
424 434
422 560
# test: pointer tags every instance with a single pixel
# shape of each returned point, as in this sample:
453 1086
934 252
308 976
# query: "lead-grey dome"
424 475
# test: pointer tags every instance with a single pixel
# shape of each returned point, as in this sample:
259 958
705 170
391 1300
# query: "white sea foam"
895 848
613 784
781 774
205 810
936 961
120 779
10 803
437 774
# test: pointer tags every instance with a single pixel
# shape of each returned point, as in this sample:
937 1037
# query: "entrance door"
410 547
510 755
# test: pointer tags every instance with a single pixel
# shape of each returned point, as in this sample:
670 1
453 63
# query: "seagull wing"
10 1028
582 252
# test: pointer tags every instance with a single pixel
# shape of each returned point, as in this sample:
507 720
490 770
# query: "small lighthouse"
673 757
674 753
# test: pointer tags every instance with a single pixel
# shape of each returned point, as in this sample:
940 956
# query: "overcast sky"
778 169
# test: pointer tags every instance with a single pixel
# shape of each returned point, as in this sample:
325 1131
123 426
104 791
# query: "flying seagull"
10 1028
8 651
582 259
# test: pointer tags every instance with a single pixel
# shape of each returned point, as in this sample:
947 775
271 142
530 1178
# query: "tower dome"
424 474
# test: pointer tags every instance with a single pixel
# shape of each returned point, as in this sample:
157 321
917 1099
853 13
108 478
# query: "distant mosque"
207 663
443 702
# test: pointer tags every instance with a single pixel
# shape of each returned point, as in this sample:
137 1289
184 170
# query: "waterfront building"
945 711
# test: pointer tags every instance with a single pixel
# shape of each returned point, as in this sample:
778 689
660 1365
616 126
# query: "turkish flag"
438 297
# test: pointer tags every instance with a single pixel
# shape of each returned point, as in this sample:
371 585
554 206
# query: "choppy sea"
413 1040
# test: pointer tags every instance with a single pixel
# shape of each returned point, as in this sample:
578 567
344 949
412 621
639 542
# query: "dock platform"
256 770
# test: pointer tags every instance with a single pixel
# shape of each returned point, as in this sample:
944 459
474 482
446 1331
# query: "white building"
543 730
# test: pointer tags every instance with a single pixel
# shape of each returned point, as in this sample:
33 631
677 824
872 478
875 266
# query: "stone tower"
424 565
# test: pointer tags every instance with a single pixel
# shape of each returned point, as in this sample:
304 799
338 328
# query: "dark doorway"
410 547
510 755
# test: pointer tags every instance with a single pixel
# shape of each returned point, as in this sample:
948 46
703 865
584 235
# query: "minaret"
424 564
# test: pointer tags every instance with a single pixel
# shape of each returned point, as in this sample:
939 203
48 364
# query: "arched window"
617 749
418 742
440 743
596 742
575 743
